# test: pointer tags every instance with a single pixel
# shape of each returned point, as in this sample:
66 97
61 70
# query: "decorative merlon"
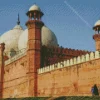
68 63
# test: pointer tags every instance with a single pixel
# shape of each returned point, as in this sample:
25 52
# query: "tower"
96 36
2 47
34 25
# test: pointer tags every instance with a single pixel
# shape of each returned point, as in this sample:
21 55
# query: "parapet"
20 54
70 62
52 55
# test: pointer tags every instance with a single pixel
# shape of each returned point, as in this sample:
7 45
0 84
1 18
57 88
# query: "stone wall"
72 77
15 79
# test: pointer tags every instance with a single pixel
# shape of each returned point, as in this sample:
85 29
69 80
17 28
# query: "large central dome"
48 38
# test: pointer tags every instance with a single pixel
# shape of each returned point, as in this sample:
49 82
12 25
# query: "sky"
71 20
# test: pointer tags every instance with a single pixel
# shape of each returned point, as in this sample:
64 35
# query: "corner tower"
2 47
96 36
34 25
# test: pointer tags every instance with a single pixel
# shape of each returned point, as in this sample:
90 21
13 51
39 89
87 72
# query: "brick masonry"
75 80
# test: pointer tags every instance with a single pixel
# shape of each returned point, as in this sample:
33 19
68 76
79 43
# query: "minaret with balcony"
34 25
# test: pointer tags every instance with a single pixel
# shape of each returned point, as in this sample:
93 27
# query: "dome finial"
18 22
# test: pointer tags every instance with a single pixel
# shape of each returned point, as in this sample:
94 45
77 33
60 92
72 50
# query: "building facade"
33 64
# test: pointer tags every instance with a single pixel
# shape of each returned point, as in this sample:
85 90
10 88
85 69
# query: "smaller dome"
97 23
10 38
35 7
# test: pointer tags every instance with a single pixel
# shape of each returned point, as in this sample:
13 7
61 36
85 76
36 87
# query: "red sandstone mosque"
32 63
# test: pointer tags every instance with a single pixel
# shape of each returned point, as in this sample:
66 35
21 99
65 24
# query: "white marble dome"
97 23
11 38
34 7
48 38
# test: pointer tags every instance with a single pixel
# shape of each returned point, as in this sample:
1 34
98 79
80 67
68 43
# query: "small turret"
35 13
96 36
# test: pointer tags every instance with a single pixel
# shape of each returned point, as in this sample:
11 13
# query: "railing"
19 54
74 61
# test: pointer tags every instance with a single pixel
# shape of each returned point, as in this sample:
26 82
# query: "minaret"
2 47
34 25
96 36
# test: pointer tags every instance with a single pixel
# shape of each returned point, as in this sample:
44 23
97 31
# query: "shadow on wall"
77 98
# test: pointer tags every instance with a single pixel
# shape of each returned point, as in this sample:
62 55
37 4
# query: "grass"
58 98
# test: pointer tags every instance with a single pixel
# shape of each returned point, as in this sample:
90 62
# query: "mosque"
32 64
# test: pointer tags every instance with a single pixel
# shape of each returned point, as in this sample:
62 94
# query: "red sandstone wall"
75 80
53 55
15 80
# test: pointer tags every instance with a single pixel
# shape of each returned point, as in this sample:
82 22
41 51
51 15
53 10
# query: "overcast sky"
70 20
